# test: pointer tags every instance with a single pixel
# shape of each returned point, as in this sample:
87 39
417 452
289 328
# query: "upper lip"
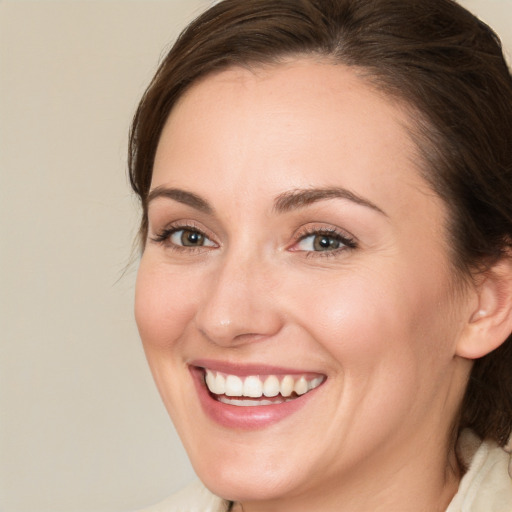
246 369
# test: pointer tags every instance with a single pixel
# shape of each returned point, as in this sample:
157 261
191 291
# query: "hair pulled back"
437 59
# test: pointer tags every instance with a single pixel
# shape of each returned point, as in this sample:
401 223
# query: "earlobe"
490 322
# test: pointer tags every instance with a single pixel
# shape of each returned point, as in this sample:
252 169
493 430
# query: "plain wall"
81 424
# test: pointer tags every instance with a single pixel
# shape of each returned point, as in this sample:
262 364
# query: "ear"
490 322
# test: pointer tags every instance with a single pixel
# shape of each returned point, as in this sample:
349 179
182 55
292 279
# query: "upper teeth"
256 386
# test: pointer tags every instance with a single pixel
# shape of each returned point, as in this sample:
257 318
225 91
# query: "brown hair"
435 57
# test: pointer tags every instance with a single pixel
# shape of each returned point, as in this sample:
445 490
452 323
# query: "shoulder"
487 485
193 498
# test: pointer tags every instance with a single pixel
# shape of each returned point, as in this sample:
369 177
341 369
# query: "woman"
325 289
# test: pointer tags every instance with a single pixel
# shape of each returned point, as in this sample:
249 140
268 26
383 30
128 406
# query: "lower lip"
249 417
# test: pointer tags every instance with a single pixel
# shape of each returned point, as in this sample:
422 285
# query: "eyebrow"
181 196
300 198
285 202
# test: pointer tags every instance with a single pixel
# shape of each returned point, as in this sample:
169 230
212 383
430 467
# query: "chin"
246 483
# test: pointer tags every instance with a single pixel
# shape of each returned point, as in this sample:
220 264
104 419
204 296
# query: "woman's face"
295 251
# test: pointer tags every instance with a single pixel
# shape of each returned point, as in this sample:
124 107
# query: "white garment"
486 486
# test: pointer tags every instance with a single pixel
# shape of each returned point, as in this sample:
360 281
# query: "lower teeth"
248 403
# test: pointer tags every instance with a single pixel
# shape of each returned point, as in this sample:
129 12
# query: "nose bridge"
237 306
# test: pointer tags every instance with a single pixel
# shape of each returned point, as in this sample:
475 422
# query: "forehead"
295 124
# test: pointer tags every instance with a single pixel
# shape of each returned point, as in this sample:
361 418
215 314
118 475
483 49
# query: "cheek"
389 339
163 304
163 310
371 316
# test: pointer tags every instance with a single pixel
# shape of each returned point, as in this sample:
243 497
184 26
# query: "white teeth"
301 386
234 386
210 380
287 385
219 386
271 386
253 387
315 383
248 403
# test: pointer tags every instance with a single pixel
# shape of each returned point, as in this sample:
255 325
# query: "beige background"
81 425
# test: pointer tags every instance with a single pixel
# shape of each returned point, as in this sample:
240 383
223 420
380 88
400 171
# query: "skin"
382 320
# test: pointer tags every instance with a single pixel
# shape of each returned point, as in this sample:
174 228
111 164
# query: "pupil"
326 242
191 238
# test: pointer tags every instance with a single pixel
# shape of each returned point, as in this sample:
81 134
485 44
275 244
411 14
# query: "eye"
324 241
319 243
183 238
189 238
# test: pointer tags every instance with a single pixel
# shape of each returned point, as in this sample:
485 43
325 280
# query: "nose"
238 303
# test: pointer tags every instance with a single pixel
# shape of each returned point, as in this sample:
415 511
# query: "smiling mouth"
257 390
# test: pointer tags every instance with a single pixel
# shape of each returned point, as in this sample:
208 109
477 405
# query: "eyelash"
347 242
164 237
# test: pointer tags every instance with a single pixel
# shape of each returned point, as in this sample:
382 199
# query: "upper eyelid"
164 233
165 218
320 228
183 224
